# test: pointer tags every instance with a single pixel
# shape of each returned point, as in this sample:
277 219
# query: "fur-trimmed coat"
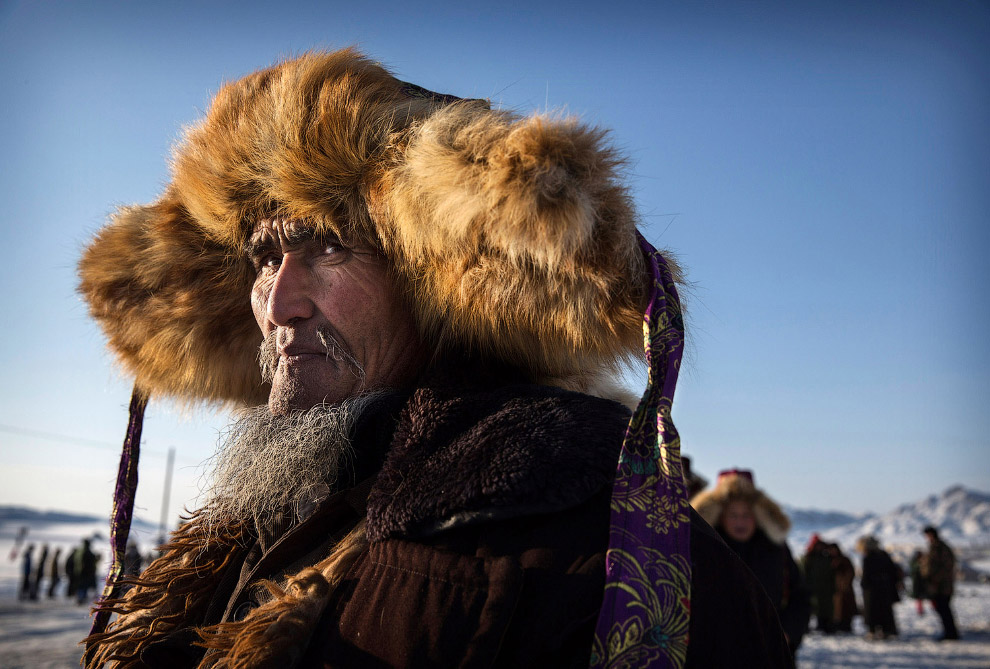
486 527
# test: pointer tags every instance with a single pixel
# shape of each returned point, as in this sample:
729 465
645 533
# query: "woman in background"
755 527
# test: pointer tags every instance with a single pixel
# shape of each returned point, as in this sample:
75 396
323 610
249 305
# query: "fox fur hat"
737 484
512 236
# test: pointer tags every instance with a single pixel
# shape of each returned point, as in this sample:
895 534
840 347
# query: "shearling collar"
462 455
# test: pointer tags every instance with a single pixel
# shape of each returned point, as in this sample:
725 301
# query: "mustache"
335 350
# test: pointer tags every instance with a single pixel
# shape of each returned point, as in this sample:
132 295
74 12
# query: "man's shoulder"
468 454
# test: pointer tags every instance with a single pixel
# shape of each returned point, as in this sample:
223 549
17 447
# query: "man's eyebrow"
298 235
258 244
264 241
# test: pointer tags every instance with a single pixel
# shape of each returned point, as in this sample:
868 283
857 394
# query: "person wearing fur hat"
427 298
755 528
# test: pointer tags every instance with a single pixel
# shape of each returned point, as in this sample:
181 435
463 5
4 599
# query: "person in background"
845 598
133 561
938 567
919 589
54 573
85 566
695 482
820 577
27 560
70 573
755 527
39 572
880 579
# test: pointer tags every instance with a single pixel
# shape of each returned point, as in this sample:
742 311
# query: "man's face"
333 322
738 520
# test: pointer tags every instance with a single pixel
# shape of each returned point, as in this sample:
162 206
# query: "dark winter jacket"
780 577
938 567
820 578
845 597
488 523
880 580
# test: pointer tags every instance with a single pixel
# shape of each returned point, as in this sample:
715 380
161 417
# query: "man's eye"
333 252
269 262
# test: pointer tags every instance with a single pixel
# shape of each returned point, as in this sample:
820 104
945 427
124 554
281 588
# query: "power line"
65 438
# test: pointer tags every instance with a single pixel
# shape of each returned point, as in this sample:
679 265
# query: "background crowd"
43 572
818 593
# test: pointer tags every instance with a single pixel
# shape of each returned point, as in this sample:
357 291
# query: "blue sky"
823 172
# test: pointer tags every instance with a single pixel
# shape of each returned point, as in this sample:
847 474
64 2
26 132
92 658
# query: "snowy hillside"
962 517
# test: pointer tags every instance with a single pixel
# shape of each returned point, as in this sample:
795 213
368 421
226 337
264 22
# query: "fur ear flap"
517 238
174 305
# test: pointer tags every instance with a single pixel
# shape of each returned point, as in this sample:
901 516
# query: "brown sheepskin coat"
487 525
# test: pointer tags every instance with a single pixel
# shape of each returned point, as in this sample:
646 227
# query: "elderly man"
439 293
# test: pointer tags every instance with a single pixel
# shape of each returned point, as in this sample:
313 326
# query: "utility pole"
165 495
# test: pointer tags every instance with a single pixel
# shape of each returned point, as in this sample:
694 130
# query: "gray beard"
272 466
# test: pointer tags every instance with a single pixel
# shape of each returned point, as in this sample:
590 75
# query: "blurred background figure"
85 568
70 573
880 580
39 572
820 578
938 567
695 483
133 561
756 528
845 598
27 560
919 589
22 532
54 573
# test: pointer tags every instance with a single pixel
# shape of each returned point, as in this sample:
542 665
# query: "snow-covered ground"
915 646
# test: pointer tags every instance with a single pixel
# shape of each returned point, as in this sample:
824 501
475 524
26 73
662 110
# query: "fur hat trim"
769 516
513 236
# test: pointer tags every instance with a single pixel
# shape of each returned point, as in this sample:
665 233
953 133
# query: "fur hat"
512 236
738 484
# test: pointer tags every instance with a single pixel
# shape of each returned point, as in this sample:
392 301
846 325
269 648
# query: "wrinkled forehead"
292 231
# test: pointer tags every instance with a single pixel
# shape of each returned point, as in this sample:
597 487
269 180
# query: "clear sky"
822 170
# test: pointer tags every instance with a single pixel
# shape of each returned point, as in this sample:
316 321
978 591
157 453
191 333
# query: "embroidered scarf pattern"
644 618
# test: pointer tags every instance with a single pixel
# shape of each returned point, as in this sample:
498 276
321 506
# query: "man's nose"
289 299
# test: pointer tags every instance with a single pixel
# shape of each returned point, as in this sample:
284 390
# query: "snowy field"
915 647
45 634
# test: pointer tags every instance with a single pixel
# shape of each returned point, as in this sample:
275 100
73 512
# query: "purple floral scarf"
644 619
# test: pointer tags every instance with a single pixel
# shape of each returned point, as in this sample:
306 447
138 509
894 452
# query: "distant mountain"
14 517
962 517
23 514
812 520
